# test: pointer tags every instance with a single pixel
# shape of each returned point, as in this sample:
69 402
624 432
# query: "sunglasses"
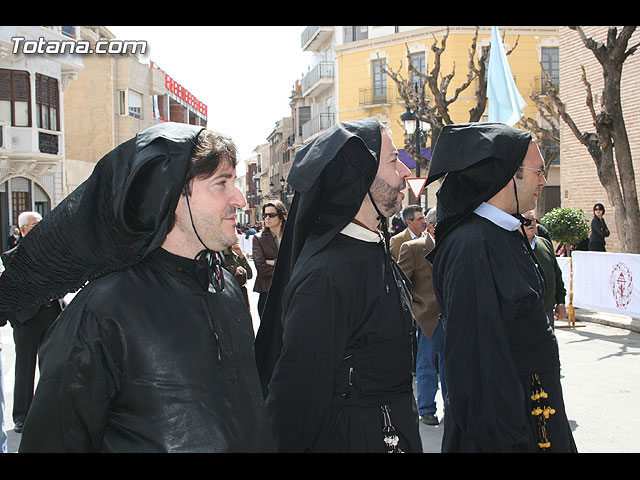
270 215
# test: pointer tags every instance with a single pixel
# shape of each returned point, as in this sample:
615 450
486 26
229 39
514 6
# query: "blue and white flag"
506 105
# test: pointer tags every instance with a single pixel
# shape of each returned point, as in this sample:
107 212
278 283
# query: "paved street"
601 382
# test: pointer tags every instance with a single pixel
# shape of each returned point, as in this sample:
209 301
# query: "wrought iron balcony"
377 96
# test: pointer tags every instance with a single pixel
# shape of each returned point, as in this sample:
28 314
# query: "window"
47 102
130 103
418 62
69 31
15 97
379 81
551 63
351 34
135 104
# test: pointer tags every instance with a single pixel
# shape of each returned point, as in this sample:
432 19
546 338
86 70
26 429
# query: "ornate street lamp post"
412 127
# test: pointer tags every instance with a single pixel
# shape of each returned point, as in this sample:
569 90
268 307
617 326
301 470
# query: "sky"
244 74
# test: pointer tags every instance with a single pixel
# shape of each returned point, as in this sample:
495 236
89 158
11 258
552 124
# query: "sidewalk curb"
609 319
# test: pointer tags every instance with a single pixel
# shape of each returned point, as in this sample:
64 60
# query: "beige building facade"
346 82
112 99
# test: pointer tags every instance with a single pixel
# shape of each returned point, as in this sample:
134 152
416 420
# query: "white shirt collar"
497 216
413 235
360 233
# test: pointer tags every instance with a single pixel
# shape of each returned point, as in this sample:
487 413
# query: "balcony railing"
309 32
317 124
313 36
324 70
375 96
48 143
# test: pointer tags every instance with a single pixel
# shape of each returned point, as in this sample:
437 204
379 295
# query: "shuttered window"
15 95
47 102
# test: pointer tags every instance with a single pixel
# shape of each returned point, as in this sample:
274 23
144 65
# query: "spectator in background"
430 329
14 238
397 223
30 325
265 248
554 292
236 263
416 225
599 230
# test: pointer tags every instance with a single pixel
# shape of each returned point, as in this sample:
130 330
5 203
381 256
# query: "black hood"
476 160
331 176
111 221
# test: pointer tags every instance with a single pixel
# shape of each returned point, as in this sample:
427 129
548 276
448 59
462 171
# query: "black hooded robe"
500 351
334 345
146 358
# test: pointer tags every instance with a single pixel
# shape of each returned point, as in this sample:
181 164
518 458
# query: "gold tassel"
541 410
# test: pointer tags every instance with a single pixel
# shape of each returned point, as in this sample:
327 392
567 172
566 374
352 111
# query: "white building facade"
32 148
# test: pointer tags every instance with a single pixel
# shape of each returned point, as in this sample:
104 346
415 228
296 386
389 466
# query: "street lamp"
412 127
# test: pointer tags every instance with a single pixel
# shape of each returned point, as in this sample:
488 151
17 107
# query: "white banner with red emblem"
606 282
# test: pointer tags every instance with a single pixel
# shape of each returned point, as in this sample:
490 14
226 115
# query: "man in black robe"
155 353
334 346
500 355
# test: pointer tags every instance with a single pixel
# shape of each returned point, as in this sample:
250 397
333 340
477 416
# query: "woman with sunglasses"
265 247
599 229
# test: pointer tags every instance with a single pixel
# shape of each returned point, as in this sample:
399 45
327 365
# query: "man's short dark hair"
211 149
408 212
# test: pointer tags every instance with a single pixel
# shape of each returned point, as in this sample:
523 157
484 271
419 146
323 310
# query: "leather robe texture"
148 360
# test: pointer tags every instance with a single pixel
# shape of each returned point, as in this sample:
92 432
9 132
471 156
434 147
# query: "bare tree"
609 145
545 129
430 99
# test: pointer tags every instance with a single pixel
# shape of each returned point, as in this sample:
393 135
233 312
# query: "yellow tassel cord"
541 409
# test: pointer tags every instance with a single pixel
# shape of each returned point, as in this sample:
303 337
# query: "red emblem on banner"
621 281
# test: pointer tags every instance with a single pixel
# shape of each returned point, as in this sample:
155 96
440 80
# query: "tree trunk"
609 146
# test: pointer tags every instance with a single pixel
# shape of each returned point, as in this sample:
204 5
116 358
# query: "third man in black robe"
500 355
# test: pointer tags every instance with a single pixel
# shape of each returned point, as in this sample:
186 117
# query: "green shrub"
566 225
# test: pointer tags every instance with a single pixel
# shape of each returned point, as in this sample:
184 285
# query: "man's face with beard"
213 202
387 187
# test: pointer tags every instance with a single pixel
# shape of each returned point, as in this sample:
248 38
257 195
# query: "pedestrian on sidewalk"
266 244
430 329
338 374
501 358
155 353
237 264
30 325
